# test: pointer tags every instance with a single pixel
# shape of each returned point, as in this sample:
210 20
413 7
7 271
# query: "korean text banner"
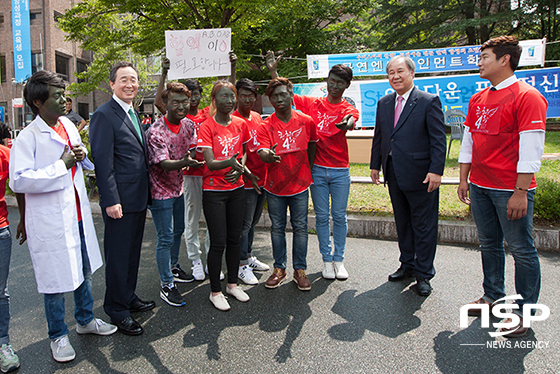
198 53
455 91
436 60
21 39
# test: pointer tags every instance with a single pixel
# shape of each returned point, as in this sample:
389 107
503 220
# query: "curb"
453 232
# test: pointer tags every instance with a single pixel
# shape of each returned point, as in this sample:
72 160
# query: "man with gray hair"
409 143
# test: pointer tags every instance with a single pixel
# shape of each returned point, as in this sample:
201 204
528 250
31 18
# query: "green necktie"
135 123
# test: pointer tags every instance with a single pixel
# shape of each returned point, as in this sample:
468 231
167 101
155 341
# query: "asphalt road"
362 325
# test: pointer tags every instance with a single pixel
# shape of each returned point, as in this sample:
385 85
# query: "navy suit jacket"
121 159
417 141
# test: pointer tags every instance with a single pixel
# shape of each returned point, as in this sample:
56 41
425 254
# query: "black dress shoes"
129 326
141 306
400 274
423 286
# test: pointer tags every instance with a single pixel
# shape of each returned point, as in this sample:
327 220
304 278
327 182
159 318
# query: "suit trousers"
122 243
416 217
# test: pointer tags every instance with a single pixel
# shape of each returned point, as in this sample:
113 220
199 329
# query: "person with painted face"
254 196
168 141
333 117
47 162
223 139
287 145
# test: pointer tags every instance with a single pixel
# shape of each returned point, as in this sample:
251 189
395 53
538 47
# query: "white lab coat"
51 218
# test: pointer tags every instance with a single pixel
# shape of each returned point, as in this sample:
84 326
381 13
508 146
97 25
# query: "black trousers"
224 212
416 217
122 243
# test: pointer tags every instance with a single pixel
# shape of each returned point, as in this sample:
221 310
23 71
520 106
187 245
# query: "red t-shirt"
4 171
225 141
60 130
254 162
332 150
495 119
197 120
293 174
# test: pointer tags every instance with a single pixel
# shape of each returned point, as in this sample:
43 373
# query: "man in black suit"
120 155
409 142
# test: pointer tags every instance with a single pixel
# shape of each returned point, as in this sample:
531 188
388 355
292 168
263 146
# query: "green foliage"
547 201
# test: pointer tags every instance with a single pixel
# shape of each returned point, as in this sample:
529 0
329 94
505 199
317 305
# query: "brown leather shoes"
516 331
276 278
478 312
301 280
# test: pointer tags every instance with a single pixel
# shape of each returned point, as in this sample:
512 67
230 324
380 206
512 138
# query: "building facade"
49 51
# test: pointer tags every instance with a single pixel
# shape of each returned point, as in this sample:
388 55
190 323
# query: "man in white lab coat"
46 165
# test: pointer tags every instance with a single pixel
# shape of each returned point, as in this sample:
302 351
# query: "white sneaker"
328 270
257 265
62 350
247 276
238 293
340 270
9 361
220 302
97 327
222 276
198 271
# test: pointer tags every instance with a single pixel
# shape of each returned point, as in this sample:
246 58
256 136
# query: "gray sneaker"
9 361
62 350
97 327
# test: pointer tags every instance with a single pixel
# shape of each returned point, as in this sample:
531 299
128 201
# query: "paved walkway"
362 325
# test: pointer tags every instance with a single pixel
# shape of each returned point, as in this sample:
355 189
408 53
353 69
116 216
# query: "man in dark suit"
409 142
120 155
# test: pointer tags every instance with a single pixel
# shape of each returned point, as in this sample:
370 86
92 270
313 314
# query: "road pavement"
363 325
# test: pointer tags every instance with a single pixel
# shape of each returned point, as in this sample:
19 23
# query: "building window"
62 66
3 68
81 67
83 110
57 15
35 18
36 62
1 20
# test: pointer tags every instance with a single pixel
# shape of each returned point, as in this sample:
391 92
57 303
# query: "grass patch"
369 199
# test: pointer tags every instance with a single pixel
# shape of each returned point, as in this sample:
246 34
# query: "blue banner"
455 91
437 60
22 39
2 114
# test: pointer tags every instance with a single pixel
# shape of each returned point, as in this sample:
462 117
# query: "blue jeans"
83 300
169 219
253 209
277 210
5 254
489 209
336 184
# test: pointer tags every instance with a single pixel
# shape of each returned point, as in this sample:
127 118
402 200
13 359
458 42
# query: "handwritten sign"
198 53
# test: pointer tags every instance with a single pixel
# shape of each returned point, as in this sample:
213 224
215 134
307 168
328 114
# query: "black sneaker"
171 295
180 276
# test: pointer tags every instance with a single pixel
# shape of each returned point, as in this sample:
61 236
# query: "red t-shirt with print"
197 120
332 150
495 119
293 174
225 141
60 130
254 163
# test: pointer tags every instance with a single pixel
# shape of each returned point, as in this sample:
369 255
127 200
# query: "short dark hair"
193 85
37 88
505 45
343 72
68 100
277 82
116 66
246 84
174 87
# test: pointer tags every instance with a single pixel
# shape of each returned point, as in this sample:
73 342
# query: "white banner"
198 53
436 60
